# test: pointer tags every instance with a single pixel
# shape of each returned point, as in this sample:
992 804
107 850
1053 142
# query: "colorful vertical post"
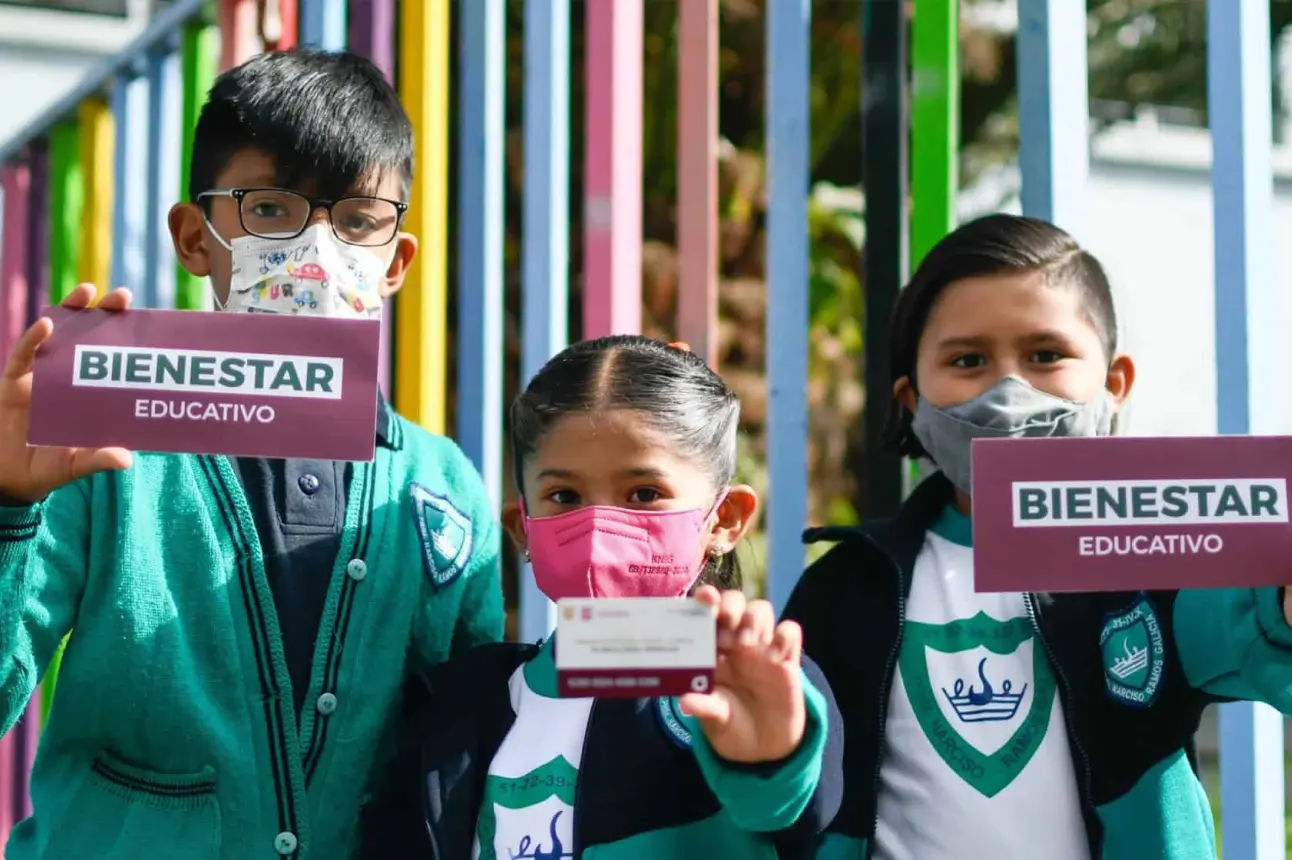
38 229
164 180
1248 372
612 172
697 177
935 123
420 318
481 129
278 25
372 32
885 173
789 85
1053 112
372 35
322 24
130 198
199 55
97 138
239 29
16 181
66 205
545 231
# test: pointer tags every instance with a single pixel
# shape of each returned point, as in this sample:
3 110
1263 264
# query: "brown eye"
563 497
644 496
970 361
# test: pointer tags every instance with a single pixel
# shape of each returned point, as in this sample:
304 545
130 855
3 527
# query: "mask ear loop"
722 497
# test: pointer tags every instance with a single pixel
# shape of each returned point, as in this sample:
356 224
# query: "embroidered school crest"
445 533
670 719
984 724
1134 654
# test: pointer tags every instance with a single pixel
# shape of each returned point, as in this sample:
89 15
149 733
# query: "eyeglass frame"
315 203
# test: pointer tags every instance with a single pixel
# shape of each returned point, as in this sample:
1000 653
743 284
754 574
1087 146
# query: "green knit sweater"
173 733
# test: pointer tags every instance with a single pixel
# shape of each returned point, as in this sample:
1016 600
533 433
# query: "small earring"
527 555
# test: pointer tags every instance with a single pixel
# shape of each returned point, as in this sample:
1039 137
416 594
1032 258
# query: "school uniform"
494 766
1019 726
241 633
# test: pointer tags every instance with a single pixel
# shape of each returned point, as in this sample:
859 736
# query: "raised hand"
26 473
756 711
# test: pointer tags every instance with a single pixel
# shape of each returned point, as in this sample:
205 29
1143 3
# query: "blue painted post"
789 24
163 185
1053 112
323 24
130 198
480 239
1247 367
545 255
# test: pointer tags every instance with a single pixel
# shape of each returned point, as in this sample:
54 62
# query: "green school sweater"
173 733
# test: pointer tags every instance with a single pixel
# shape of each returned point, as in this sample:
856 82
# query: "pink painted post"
16 181
612 186
697 177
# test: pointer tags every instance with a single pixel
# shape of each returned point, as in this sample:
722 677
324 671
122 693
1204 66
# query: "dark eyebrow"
962 343
566 474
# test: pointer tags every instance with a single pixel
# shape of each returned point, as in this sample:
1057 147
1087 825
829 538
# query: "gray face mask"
1009 409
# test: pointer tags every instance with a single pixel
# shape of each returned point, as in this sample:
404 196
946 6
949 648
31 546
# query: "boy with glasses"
241 627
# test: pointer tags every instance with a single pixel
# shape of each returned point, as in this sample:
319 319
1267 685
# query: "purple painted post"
15 178
38 230
372 35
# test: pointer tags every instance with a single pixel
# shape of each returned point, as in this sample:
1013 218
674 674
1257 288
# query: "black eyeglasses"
273 213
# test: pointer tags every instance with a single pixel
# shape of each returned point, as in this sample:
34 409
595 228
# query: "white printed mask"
314 274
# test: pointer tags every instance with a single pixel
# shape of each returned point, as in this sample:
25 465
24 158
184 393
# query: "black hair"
993 245
674 390
327 120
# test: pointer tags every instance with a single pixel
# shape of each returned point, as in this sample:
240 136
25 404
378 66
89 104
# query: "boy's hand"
756 711
29 474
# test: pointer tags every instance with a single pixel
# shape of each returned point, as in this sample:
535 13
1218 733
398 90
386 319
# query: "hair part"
993 245
328 121
677 394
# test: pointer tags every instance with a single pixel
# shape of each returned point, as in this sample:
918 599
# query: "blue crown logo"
987 705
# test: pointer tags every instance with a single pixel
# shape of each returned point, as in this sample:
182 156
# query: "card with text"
255 385
634 647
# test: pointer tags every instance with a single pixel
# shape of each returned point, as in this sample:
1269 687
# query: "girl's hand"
756 711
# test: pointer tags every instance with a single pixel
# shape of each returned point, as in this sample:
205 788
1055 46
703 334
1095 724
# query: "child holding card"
1015 726
618 441
242 629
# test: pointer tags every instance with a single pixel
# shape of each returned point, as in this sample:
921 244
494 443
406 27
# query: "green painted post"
935 123
66 208
935 133
200 59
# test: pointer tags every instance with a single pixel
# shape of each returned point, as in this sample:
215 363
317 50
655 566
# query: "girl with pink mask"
625 453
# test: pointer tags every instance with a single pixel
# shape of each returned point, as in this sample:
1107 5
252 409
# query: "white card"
635 646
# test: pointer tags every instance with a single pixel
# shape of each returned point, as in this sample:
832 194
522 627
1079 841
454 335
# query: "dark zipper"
884 689
1029 601
576 850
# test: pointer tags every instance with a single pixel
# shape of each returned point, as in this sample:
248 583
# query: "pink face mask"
617 552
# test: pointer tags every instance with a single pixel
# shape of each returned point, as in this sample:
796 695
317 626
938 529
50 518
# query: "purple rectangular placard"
1121 514
253 385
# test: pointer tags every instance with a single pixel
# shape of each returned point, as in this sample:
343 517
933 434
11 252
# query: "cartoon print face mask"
313 274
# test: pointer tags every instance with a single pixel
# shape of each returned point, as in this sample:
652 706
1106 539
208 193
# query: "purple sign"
253 385
1123 514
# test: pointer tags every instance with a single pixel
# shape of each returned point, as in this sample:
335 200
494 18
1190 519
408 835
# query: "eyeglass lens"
274 214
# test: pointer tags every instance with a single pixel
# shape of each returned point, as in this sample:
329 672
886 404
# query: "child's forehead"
1004 302
251 168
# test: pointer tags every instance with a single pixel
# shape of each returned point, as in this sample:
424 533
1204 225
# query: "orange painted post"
697 177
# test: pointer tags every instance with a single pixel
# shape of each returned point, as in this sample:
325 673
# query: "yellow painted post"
97 141
422 306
